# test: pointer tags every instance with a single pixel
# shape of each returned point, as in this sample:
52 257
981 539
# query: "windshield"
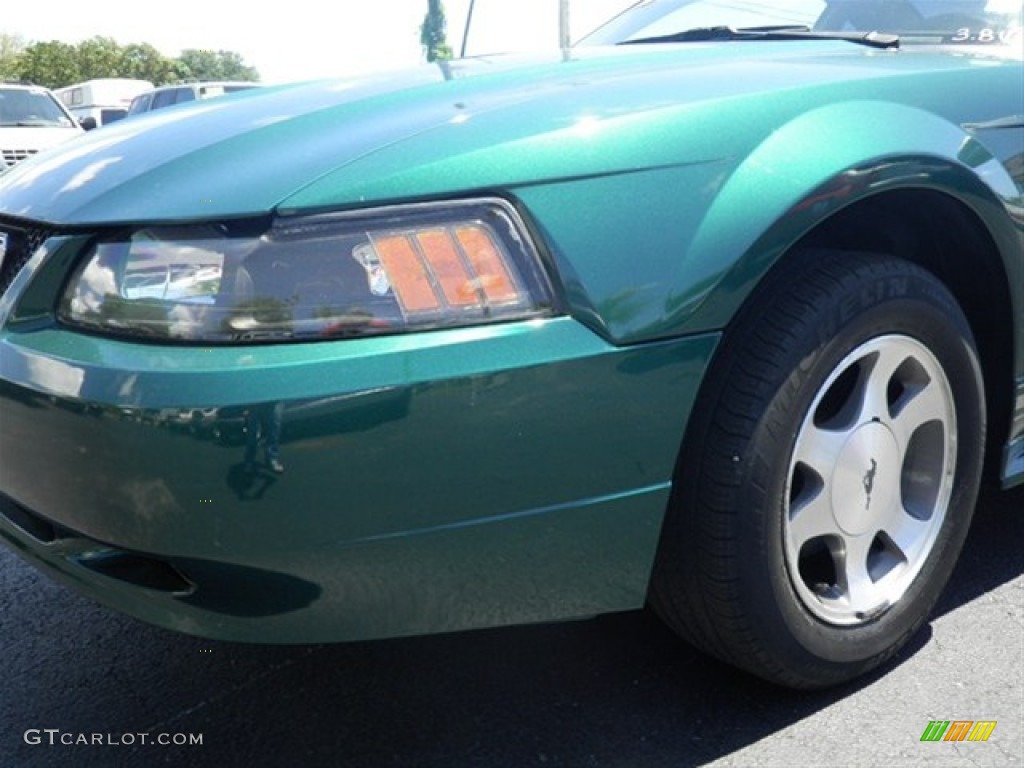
934 22
30 107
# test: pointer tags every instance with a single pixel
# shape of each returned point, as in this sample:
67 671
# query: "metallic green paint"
514 569
451 479
144 449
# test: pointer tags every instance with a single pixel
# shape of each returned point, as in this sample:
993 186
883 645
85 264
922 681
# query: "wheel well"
941 234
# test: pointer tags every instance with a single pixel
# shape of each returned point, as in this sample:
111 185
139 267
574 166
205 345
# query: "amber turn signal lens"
456 267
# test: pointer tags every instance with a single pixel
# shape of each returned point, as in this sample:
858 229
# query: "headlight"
384 271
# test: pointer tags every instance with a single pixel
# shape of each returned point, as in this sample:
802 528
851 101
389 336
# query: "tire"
829 472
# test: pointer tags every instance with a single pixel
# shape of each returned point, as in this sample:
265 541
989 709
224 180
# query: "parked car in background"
31 120
182 93
95 103
722 310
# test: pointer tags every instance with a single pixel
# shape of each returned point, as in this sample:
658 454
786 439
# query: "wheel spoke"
925 406
819 449
906 532
812 520
854 580
875 403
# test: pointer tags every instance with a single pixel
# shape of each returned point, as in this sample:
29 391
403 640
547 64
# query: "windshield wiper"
726 34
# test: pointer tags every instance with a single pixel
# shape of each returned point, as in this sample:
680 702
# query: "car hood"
435 130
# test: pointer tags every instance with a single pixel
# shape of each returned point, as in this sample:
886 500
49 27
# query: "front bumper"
432 482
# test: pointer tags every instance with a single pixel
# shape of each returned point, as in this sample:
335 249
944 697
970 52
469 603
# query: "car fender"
812 167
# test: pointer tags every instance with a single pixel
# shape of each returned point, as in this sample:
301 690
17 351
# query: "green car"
721 310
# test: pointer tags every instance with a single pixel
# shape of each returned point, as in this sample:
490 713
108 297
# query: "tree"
195 64
434 32
98 57
53 64
11 47
141 61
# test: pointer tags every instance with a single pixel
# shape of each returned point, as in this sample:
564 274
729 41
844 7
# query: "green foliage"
11 47
194 64
141 61
98 57
55 64
434 32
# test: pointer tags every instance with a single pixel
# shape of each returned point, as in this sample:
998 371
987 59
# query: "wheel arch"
942 234
945 210
818 166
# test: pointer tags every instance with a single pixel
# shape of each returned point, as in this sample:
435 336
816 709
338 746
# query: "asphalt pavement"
617 690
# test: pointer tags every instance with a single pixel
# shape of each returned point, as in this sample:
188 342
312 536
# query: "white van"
31 120
98 102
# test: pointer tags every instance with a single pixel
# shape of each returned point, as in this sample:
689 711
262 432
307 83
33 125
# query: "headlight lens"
416 267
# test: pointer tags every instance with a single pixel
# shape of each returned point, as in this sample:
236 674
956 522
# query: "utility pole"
465 34
564 36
